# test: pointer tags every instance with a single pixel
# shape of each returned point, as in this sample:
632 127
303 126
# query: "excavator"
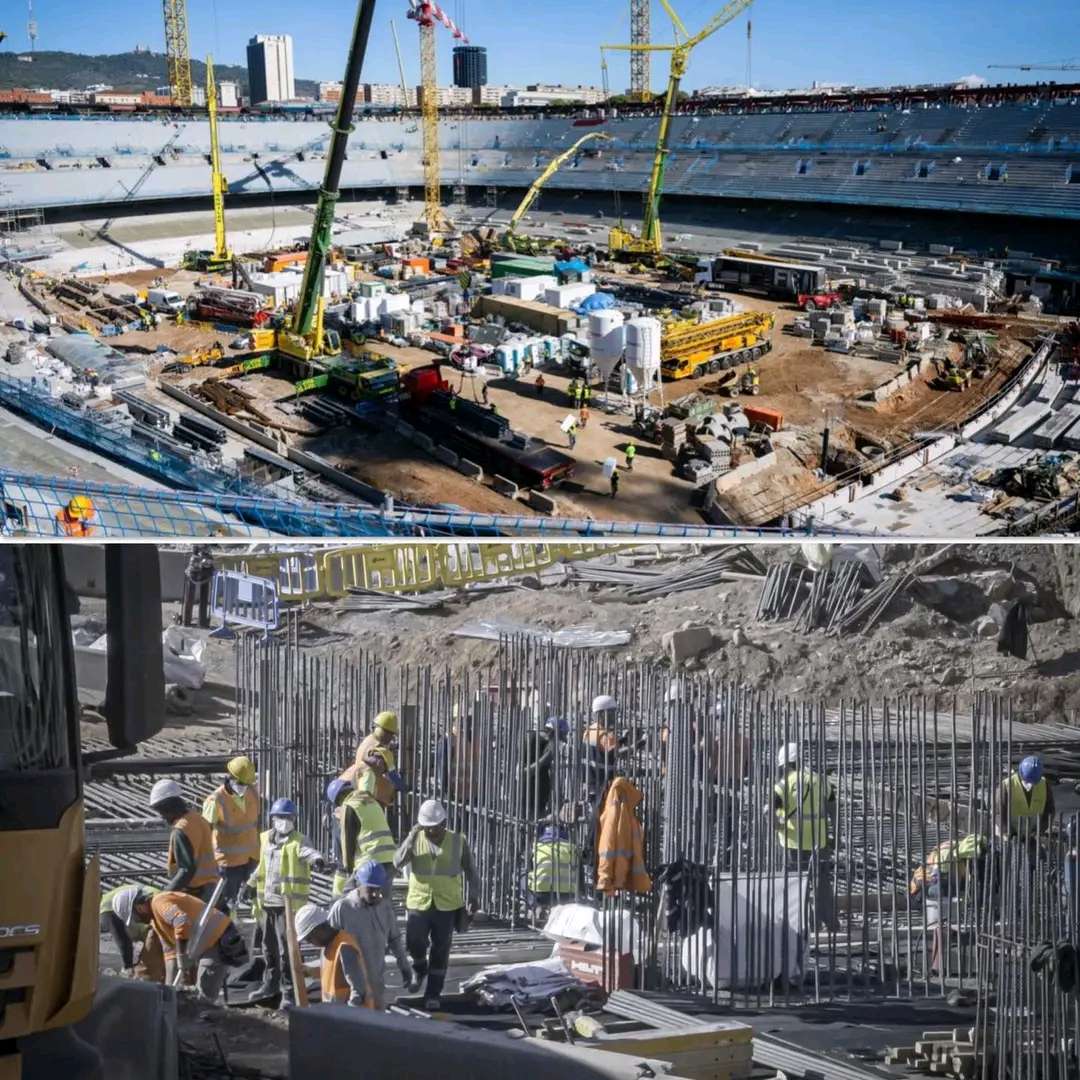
648 246
525 244
50 893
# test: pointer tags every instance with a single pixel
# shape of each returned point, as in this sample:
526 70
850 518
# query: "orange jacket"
175 915
620 862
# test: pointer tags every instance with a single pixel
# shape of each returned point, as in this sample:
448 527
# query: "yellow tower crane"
511 239
221 256
177 56
650 243
435 222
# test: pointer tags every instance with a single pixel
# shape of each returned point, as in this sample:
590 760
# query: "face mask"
239 789
282 826
1025 785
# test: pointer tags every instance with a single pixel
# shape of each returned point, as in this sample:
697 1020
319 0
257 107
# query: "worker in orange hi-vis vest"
233 813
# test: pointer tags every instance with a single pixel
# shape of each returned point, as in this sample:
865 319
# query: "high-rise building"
270 68
470 66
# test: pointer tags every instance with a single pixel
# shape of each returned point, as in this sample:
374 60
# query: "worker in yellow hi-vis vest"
1024 801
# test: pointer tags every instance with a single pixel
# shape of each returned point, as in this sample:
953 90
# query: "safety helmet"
557 723
1031 769
80 506
309 917
788 755
604 703
431 813
387 720
164 790
335 788
549 834
124 903
241 769
283 808
372 873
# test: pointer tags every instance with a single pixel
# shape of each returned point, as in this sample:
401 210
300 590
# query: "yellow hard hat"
386 755
387 720
242 770
80 506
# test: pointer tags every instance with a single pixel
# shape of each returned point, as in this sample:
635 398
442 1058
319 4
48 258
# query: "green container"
522 266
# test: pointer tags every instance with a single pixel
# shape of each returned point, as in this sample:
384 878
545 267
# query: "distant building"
547 94
270 68
228 93
329 91
387 96
491 95
118 97
449 97
470 66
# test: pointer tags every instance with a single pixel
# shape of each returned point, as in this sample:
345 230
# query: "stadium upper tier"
1012 159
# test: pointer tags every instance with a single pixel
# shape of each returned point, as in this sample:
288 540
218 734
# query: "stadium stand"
1016 158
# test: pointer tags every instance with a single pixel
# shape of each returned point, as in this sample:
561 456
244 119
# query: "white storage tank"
606 340
643 349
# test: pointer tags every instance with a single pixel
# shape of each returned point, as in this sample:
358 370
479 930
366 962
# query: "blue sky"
868 43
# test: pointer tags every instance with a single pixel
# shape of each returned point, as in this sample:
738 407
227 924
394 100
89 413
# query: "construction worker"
190 861
553 879
367 915
232 810
116 916
631 452
614 482
601 746
586 392
802 801
198 576
583 417
1023 801
365 832
193 938
437 859
540 385
579 392
282 876
342 972
337 791
538 757
571 434
75 518
382 737
572 391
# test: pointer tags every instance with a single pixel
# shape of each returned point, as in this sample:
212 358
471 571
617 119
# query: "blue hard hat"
1030 769
372 873
557 723
335 788
283 808
551 833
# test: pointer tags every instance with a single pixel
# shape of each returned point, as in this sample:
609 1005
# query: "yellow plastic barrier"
330 572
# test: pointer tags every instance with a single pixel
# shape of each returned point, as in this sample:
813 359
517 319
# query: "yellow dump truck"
689 349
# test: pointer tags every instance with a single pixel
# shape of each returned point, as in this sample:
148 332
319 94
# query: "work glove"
473 906
414 982
319 865
247 893
397 780
127 973
407 974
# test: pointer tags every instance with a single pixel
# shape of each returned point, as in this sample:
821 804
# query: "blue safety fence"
31 505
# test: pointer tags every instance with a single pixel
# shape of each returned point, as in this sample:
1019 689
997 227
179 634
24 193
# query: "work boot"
268 989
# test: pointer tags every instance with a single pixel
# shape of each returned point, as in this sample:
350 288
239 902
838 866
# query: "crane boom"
305 336
178 58
650 241
218 182
548 172
401 68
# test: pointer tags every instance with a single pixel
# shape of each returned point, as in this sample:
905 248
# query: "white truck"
165 300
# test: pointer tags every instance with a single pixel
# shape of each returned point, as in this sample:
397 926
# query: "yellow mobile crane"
221 256
510 238
51 888
649 244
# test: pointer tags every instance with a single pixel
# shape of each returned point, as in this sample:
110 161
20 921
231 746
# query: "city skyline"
880 45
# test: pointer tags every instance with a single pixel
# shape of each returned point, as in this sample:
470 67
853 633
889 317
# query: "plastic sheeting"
759 918
573 637
598 301
581 924
527 984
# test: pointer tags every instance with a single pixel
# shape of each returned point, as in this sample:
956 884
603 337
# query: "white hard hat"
431 813
604 703
123 903
165 789
308 917
787 755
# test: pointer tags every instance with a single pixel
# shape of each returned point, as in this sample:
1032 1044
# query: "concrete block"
424 442
504 486
447 456
470 469
544 503
688 643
